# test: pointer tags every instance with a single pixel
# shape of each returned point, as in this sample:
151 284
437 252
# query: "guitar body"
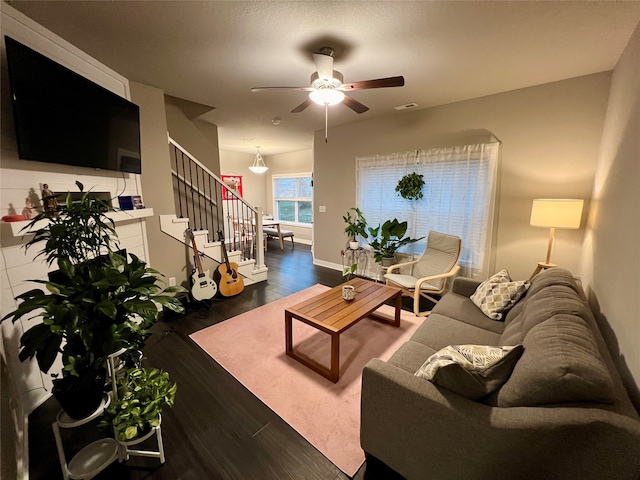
229 282
202 286
226 275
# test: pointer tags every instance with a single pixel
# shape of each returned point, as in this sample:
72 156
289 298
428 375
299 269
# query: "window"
458 197
293 198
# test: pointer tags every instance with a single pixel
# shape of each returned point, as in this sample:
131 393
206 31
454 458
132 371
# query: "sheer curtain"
459 197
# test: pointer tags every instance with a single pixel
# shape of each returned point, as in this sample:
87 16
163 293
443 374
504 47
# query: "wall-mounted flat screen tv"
62 117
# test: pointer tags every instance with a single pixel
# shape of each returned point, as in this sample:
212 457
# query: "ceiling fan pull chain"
326 122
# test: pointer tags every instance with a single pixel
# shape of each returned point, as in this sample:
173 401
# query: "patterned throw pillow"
473 371
498 294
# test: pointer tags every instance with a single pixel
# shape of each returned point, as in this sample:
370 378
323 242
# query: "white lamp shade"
556 213
258 163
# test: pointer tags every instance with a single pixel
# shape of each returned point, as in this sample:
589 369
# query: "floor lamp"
554 213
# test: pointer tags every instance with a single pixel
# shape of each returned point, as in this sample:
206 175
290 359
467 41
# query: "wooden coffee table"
329 313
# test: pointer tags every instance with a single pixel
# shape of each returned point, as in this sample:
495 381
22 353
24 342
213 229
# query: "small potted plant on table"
349 291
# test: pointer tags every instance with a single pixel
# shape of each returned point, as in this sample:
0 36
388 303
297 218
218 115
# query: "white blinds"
458 197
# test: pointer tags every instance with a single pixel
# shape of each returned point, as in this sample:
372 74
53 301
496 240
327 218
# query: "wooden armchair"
428 273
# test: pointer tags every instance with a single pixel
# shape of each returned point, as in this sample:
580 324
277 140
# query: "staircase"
215 213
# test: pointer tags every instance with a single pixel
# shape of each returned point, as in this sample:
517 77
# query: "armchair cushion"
409 281
473 371
498 294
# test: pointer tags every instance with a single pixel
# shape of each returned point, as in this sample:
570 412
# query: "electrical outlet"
172 281
322 208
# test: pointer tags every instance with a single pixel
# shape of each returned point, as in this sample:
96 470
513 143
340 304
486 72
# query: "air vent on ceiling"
405 106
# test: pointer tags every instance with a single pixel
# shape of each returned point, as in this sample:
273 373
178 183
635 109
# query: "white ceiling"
213 52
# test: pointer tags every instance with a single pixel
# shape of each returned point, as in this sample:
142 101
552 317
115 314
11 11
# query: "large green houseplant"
387 238
96 303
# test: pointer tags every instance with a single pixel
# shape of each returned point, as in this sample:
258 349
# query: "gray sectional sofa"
562 414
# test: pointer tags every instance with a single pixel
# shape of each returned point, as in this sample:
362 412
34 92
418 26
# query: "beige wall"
551 136
157 116
611 254
200 139
165 254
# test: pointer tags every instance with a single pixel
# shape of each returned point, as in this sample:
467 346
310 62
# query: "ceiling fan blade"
260 89
324 65
377 83
354 105
302 106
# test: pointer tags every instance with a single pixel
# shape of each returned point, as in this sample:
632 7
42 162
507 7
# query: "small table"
329 313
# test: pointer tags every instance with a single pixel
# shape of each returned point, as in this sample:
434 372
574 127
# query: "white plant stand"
93 458
115 366
126 450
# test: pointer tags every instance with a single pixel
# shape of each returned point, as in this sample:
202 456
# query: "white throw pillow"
498 294
473 371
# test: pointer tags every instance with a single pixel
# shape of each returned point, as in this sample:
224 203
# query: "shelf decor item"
410 186
98 302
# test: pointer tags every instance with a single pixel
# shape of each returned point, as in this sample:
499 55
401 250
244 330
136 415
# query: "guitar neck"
226 258
224 253
197 255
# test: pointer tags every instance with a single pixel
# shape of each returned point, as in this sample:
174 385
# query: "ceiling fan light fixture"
326 96
258 163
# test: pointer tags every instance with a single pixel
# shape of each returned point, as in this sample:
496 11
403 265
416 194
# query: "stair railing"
210 204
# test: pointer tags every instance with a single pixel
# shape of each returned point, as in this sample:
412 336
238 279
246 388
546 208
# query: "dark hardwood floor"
217 428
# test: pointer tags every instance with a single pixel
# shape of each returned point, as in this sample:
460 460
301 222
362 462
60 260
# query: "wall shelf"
116 216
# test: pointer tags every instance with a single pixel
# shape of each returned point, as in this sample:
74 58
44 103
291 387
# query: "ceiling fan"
327 88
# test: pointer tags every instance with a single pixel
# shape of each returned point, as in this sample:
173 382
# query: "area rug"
251 347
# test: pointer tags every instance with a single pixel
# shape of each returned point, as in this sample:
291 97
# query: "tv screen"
62 117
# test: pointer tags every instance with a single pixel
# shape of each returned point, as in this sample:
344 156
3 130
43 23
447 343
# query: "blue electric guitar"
202 286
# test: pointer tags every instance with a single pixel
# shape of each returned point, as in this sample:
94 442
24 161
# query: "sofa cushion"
438 331
410 356
560 364
555 276
473 371
539 306
462 308
498 294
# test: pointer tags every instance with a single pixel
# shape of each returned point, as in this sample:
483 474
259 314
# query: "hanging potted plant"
96 303
143 393
356 225
410 186
387 239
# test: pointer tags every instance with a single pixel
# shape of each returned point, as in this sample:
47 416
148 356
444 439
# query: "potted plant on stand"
356 225
142 395
97 302
387 239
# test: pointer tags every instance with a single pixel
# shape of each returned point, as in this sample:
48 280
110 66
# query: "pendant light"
258 163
